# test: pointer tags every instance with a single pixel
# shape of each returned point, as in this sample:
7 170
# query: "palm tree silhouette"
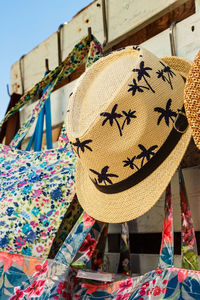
130 162
146 153
168 71
167 113
82 145
103 176
129 115
136 88
111 117
142 74
161 75
137 47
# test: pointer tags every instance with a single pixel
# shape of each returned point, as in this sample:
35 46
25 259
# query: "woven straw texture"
120 114
192 99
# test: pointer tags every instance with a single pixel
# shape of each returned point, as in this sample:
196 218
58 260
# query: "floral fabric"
165 282
88 247
26 277
76 57
71 216
124 262
70 244
98 255
37 188
189 246
170 283
166 258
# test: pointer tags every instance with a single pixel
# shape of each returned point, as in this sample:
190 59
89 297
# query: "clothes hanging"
26 277
37 188
166 281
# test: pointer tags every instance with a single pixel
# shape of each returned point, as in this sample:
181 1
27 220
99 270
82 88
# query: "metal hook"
47 64
105 27
171 37
21 73
59 44
8 90
90 33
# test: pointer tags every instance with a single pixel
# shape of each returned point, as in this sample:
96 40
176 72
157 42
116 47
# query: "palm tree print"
161 75
167 113
136 88
146 153
142 74
81 145
104 176
111 117
129 115
166 70
130 162
136 48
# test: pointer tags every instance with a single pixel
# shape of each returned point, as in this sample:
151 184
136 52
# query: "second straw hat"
127 126
192 99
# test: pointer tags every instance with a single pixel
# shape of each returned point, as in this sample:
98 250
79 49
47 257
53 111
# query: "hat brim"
136 201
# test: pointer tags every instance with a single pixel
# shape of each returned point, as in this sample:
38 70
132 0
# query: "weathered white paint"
197 5
187 42
124 18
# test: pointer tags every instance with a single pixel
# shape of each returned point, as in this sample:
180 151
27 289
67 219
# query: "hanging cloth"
166 281
36 188
27 277
36 138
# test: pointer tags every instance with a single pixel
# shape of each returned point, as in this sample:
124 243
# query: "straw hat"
126 126
192 99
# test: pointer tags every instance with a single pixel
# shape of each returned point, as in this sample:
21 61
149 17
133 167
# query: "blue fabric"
47 108
39 131
36 138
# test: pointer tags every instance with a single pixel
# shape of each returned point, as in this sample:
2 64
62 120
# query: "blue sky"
25 24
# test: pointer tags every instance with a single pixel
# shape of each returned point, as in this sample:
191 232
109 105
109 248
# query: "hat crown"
123 111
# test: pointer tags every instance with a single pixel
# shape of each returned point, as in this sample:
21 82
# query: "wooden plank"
197 5
143 14
187 45
33 65
127 17
180 13
186 39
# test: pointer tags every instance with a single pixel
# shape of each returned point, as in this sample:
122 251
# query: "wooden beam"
177 15
125 18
